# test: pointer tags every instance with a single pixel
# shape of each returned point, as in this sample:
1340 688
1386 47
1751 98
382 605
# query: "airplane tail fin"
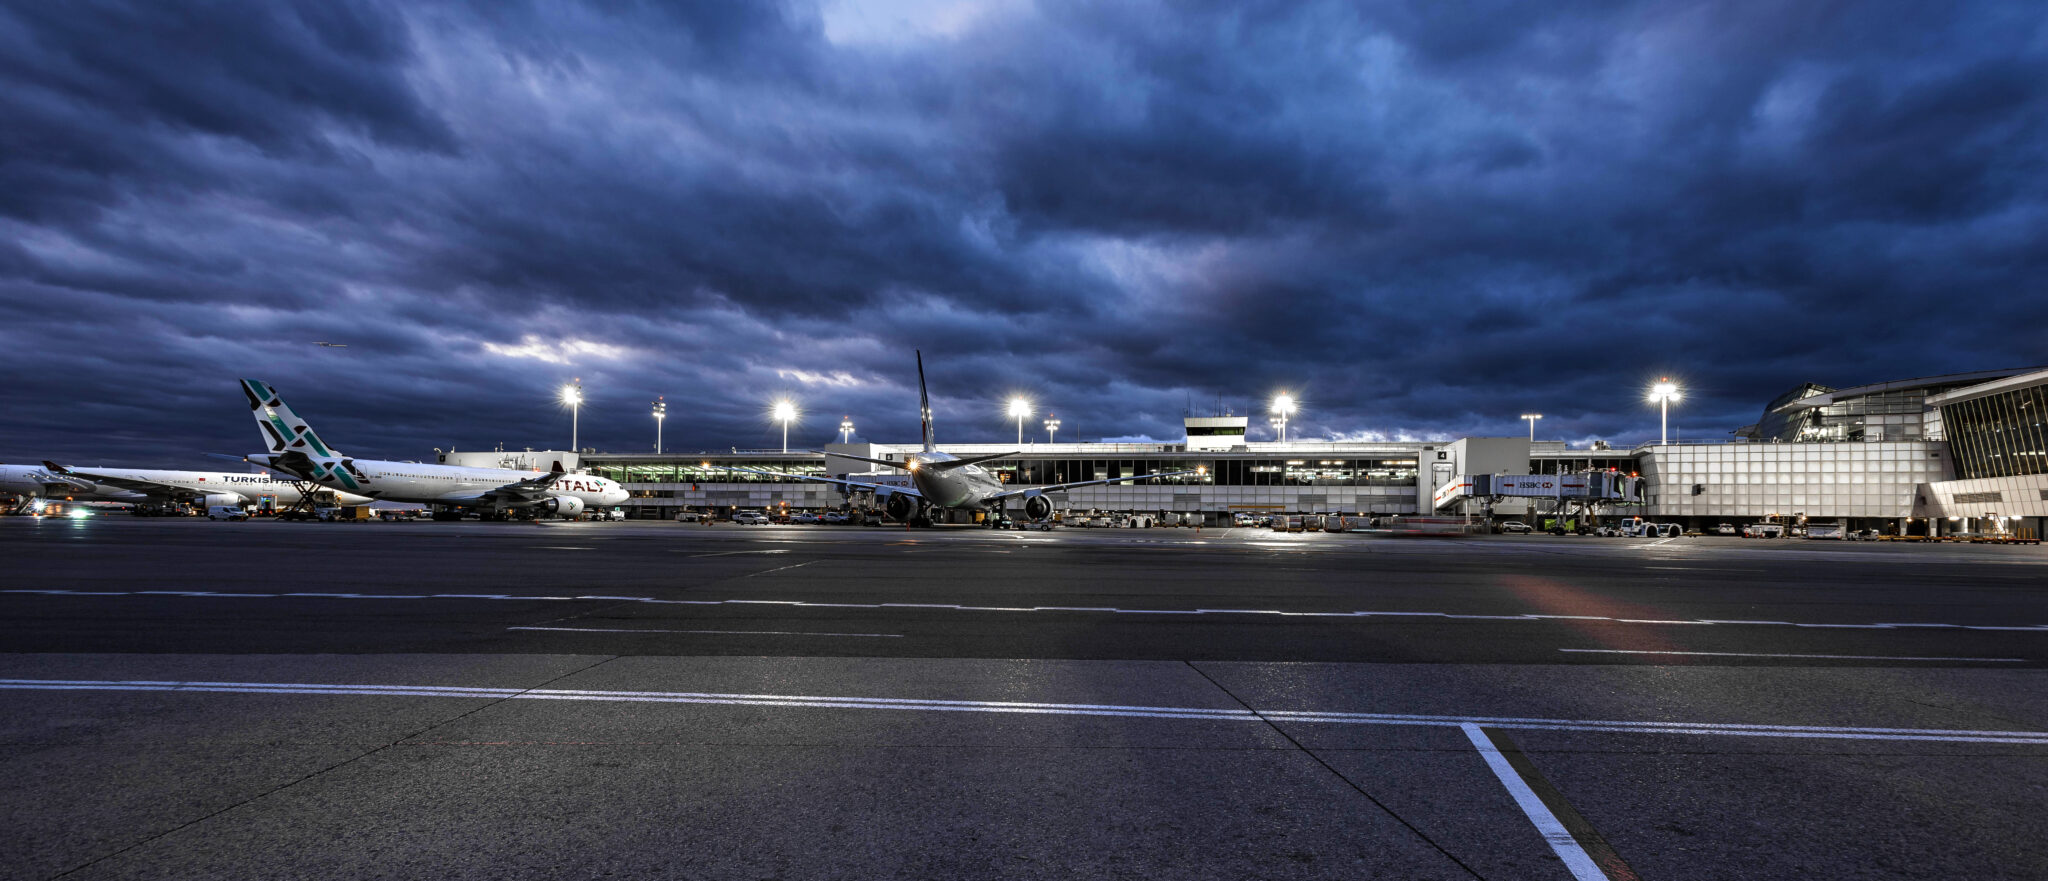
924 401
293 446
283 430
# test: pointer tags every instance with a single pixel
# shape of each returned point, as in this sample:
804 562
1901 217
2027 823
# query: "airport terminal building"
1941 454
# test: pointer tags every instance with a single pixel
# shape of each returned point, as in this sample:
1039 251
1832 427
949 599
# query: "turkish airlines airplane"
943 480
148 486
296 450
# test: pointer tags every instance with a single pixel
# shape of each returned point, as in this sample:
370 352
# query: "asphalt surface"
181 698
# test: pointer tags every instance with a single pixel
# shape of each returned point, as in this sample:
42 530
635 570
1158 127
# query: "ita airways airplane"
942 480
495 492
151 489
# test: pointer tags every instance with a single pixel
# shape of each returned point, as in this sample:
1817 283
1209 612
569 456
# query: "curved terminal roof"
2003 384
1899 385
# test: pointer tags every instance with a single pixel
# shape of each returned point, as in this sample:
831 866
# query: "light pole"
1283 406
1664 392
1021 409
785 412
660 413
572 394
1052 424
1532 417
846 430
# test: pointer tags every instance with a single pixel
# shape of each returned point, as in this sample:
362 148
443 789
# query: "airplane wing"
970 460
132 484
1061 486
880 489
899 465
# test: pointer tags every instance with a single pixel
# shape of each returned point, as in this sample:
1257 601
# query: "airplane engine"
1038 507
221 500
567 506
901 506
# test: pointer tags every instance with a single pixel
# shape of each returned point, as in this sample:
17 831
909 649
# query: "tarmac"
185 699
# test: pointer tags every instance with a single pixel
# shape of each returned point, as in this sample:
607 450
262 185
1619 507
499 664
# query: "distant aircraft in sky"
330 345
943 480
296 450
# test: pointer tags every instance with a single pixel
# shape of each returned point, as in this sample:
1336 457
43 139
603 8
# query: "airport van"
226 512
750 518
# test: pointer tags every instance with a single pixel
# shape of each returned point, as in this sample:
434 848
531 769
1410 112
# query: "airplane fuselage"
29 480
965 487
459 485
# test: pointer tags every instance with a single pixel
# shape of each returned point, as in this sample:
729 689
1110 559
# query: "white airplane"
149 486
296 450
942 480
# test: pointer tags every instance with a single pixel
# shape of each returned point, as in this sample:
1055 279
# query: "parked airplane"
151 488
295 449
943 480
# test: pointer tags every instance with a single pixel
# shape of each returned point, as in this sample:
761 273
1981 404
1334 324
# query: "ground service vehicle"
226 512
1667 530
1725 529
1513 527
1763 530
1825 530
750 518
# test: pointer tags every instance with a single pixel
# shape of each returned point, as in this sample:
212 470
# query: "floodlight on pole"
1020 408
660 413
846 430
1532 417
1664 392
1283 406
572 394
1052 424
785 413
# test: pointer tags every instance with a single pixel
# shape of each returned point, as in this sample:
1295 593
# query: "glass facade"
1787 426
1870 479
1307 470
705 471
1999 435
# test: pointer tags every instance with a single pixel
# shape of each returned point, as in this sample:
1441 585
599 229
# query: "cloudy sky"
1423 219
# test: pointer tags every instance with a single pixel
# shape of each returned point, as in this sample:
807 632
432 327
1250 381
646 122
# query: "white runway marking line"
781 568
733 553
1940 735
1554 834
747 632
1771 655
956 607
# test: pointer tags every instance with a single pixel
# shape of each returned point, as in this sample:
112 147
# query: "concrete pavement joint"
1283 613
303 778
1247 714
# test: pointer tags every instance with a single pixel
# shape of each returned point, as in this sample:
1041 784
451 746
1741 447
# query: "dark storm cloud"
1424 219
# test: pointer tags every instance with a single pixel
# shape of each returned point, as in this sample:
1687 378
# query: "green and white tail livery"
293 445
